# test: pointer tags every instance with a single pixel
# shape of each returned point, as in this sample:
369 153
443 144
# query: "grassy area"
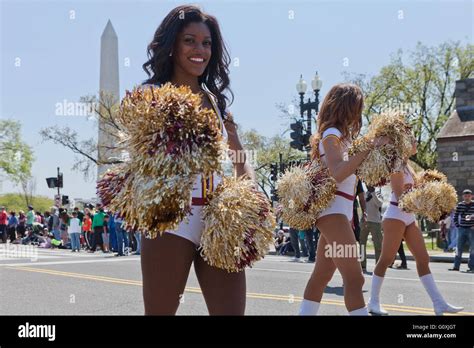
16 202
370 245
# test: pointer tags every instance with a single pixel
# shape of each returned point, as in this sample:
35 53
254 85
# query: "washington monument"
109 94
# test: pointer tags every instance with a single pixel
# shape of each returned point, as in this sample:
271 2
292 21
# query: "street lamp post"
307 107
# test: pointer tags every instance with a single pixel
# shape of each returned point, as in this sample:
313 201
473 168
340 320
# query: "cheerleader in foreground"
398 225
339 122
187 49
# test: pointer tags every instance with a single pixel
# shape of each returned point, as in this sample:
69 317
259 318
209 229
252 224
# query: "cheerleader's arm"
340 165
397 184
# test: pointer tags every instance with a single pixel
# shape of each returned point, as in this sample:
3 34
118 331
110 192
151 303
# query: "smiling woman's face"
193 49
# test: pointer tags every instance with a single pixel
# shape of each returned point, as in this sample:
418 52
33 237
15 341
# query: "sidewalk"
435 255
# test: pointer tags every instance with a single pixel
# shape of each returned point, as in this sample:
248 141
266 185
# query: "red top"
3 218
86 224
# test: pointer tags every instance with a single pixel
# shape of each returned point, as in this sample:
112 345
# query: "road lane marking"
45 263
397 308
135 258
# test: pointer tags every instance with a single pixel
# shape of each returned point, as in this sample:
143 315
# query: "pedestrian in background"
98 229
55 222
21 229
138 238
87 229
122 235
75 232
444 227
453 233
311 242
106 233
63 228
30 218
112 232
302 241
3 224
12 225
293 234
372 225
464 221
403 258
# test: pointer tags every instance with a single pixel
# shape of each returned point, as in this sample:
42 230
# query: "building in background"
455 141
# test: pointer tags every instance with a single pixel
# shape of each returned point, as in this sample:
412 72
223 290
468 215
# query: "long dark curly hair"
159 66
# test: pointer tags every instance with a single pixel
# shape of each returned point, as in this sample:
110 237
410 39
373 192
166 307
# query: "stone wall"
456 160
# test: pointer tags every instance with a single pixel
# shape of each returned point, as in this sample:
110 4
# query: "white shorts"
394 212
193 228
340 205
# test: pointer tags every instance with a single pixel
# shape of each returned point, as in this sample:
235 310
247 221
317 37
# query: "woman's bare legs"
416 244
393 232
337 231
224 292
323 271
165 262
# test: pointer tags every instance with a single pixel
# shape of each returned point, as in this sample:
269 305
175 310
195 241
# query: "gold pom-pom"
238 225
168 132
112 183
158 205
305 192
433 199
170 139
152 205
428 176
382 161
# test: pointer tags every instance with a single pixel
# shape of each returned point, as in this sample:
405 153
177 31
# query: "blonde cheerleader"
398 225
339 122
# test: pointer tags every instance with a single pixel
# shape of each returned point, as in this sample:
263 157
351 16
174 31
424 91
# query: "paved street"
103 284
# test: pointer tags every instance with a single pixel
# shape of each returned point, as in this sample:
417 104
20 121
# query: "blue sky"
272 41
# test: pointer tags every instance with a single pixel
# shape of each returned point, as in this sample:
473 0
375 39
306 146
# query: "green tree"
16 157
421 84
16 202
265 151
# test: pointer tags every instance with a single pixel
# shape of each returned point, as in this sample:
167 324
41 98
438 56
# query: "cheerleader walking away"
398 225
340 120
187 49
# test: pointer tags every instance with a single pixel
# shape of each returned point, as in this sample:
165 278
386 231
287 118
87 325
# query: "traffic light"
297 135
273 172
52 182
274 194
65 200
60 180
282 167
306 139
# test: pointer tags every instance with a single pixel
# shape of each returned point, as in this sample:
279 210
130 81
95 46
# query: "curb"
433 258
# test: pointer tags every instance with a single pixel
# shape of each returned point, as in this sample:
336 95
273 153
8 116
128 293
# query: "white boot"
309 307
374 306
439 303
361 312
